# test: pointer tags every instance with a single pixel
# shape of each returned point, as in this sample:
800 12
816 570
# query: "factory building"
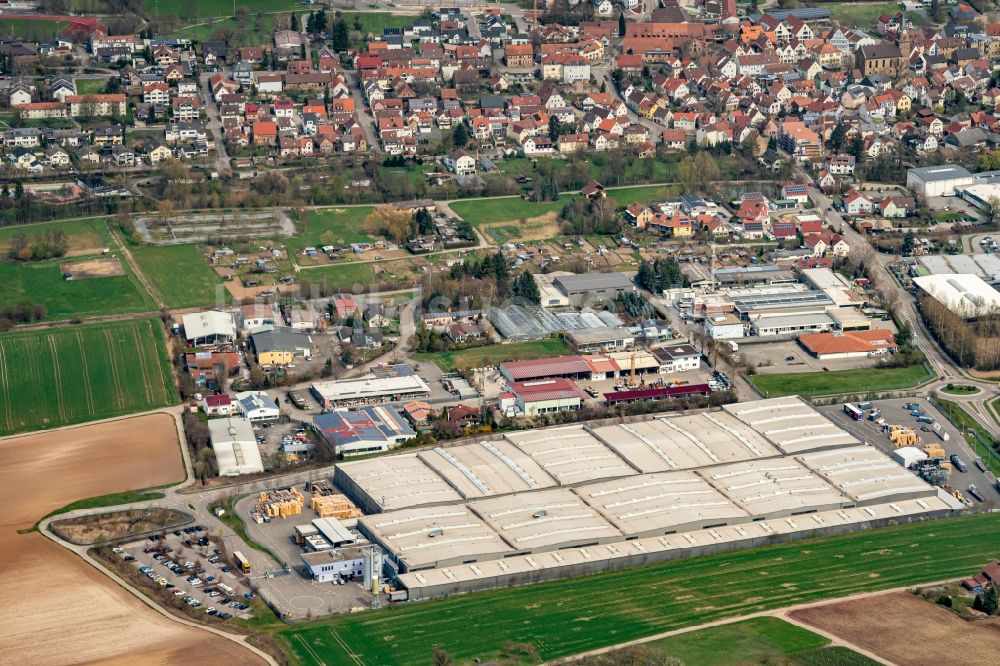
363 430
593 287
569 367
547 396
569 500
594 340
326 565
849 344
369 389
964 294
235 446
938 181
210 327
524 569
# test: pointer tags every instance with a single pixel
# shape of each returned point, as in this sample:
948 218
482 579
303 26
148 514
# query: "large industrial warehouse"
540 504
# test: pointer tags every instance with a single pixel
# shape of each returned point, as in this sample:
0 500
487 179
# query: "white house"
218 405
460 163
256 406
856 203
678 358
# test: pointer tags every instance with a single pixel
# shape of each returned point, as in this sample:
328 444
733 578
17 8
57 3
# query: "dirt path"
833 638
134 265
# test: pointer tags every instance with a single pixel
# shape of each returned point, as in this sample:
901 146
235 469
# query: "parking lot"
185 562
894 412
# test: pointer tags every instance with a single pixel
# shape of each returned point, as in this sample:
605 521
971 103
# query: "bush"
944 600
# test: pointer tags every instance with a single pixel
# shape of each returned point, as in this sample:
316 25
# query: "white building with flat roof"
208 327
938 181
369 389
964 294
235 446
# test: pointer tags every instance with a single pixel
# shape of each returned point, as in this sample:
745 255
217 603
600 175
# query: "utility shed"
546 520
866 475
908 456
665 503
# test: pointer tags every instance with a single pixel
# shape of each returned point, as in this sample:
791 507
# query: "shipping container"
925 419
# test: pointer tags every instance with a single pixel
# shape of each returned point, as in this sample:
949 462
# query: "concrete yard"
894 413
297 593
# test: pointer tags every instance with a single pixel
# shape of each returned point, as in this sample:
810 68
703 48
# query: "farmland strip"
57 373
86 373
112 363
6 387
142 365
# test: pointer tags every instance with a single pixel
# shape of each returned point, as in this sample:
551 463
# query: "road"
601 72
364 115
215 127
941 365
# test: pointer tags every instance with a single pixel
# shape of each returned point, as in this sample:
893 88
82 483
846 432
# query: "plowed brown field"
907 630
56 608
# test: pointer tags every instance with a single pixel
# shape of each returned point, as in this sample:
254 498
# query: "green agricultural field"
61 376
493 354
504 209
840 381
759 640
180 274
572 616
42 282
330 226
34 30
85 236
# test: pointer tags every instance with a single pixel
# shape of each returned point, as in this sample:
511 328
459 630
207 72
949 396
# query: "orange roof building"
849 344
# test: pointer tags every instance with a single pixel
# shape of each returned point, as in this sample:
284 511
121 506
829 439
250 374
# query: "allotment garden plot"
82 373
203 227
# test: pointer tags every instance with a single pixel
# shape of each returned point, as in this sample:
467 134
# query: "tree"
425 223
990 600
621 24
392 222
340 35
555 128
242 13
909 241
460 136
294 24
837 137
525 287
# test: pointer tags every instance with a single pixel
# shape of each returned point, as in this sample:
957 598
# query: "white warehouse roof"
964 294
370 387
235 446
207 324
